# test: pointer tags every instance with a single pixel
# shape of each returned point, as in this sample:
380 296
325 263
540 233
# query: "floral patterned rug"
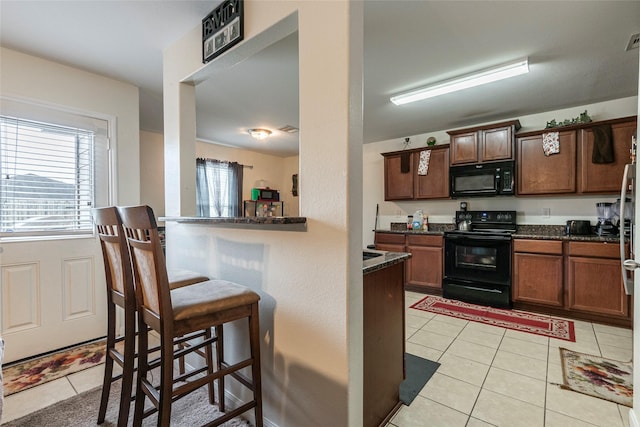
532 323
23 376
597 376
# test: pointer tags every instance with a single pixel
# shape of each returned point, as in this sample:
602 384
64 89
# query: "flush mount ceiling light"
259 133
488 75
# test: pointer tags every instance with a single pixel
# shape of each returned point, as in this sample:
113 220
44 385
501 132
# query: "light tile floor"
489 376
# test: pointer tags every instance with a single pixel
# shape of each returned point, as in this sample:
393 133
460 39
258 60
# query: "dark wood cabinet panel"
604 177
540 174
464 148
594 285
538 279
497 144
404 183
489 143
383 342
389 242
424 268
398 183
435 184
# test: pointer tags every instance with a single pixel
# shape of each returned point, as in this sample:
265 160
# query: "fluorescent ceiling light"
489 75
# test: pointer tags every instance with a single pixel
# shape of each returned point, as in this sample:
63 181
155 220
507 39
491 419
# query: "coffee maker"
605 226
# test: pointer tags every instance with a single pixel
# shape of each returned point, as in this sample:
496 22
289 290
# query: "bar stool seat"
181 311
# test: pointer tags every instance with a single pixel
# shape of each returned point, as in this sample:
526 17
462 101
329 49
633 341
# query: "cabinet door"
435 184
424 268
389 242
464 148
595 286
497 144
540 174
537 279
398 182
389 247
604 177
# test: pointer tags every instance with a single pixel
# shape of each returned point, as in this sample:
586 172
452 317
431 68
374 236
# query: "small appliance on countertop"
605 226
576 227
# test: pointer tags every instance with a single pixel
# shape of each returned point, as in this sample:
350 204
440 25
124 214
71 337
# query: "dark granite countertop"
537 232
276 223
385 260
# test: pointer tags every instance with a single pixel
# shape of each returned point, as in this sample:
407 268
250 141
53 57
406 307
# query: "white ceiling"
576 51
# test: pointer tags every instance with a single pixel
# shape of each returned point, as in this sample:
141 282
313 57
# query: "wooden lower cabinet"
576 279
393 242
594 279
424 268
537 272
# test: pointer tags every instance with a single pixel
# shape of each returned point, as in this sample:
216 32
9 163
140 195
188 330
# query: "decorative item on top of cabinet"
405 179
604 177
488 143
594 279
541 174
537 272
424 268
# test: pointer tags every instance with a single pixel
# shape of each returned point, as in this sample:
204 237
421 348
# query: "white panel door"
52 295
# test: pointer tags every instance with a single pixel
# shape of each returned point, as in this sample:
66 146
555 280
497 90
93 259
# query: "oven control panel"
504 218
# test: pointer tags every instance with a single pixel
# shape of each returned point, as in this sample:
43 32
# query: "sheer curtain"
218 188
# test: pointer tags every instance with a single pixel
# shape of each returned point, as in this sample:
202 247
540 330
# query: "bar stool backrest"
149 267
115 253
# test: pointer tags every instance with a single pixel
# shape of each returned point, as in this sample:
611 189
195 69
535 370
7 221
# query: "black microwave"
485 179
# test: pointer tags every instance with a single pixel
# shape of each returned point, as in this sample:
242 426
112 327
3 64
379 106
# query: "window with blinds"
47 177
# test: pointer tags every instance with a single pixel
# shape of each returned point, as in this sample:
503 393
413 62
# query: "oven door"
468 181
475 257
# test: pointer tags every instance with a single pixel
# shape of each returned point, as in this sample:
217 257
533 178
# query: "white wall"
442 211
30 78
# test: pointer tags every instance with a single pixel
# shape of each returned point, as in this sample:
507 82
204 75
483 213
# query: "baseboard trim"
633 420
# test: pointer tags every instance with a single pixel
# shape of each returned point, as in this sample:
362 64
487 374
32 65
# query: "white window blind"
47 176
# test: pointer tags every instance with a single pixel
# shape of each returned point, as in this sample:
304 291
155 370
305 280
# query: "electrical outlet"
546 212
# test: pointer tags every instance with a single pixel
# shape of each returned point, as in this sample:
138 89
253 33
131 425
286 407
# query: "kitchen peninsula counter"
383 310
275 223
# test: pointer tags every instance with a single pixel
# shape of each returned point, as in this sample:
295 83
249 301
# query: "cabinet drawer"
426 240
390 238
594 249
553 247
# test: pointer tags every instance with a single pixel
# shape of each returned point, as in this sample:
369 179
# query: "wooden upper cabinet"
398 175
480 144
540 174
401 179
605 177
435 184
464 148
497 144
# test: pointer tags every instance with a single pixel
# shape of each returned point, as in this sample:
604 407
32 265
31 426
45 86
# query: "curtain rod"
227 161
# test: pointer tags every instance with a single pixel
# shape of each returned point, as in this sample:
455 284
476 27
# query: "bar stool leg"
219 365
254 336
108 364
209 358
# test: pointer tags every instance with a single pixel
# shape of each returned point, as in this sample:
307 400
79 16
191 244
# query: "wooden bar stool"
176 312
120 292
